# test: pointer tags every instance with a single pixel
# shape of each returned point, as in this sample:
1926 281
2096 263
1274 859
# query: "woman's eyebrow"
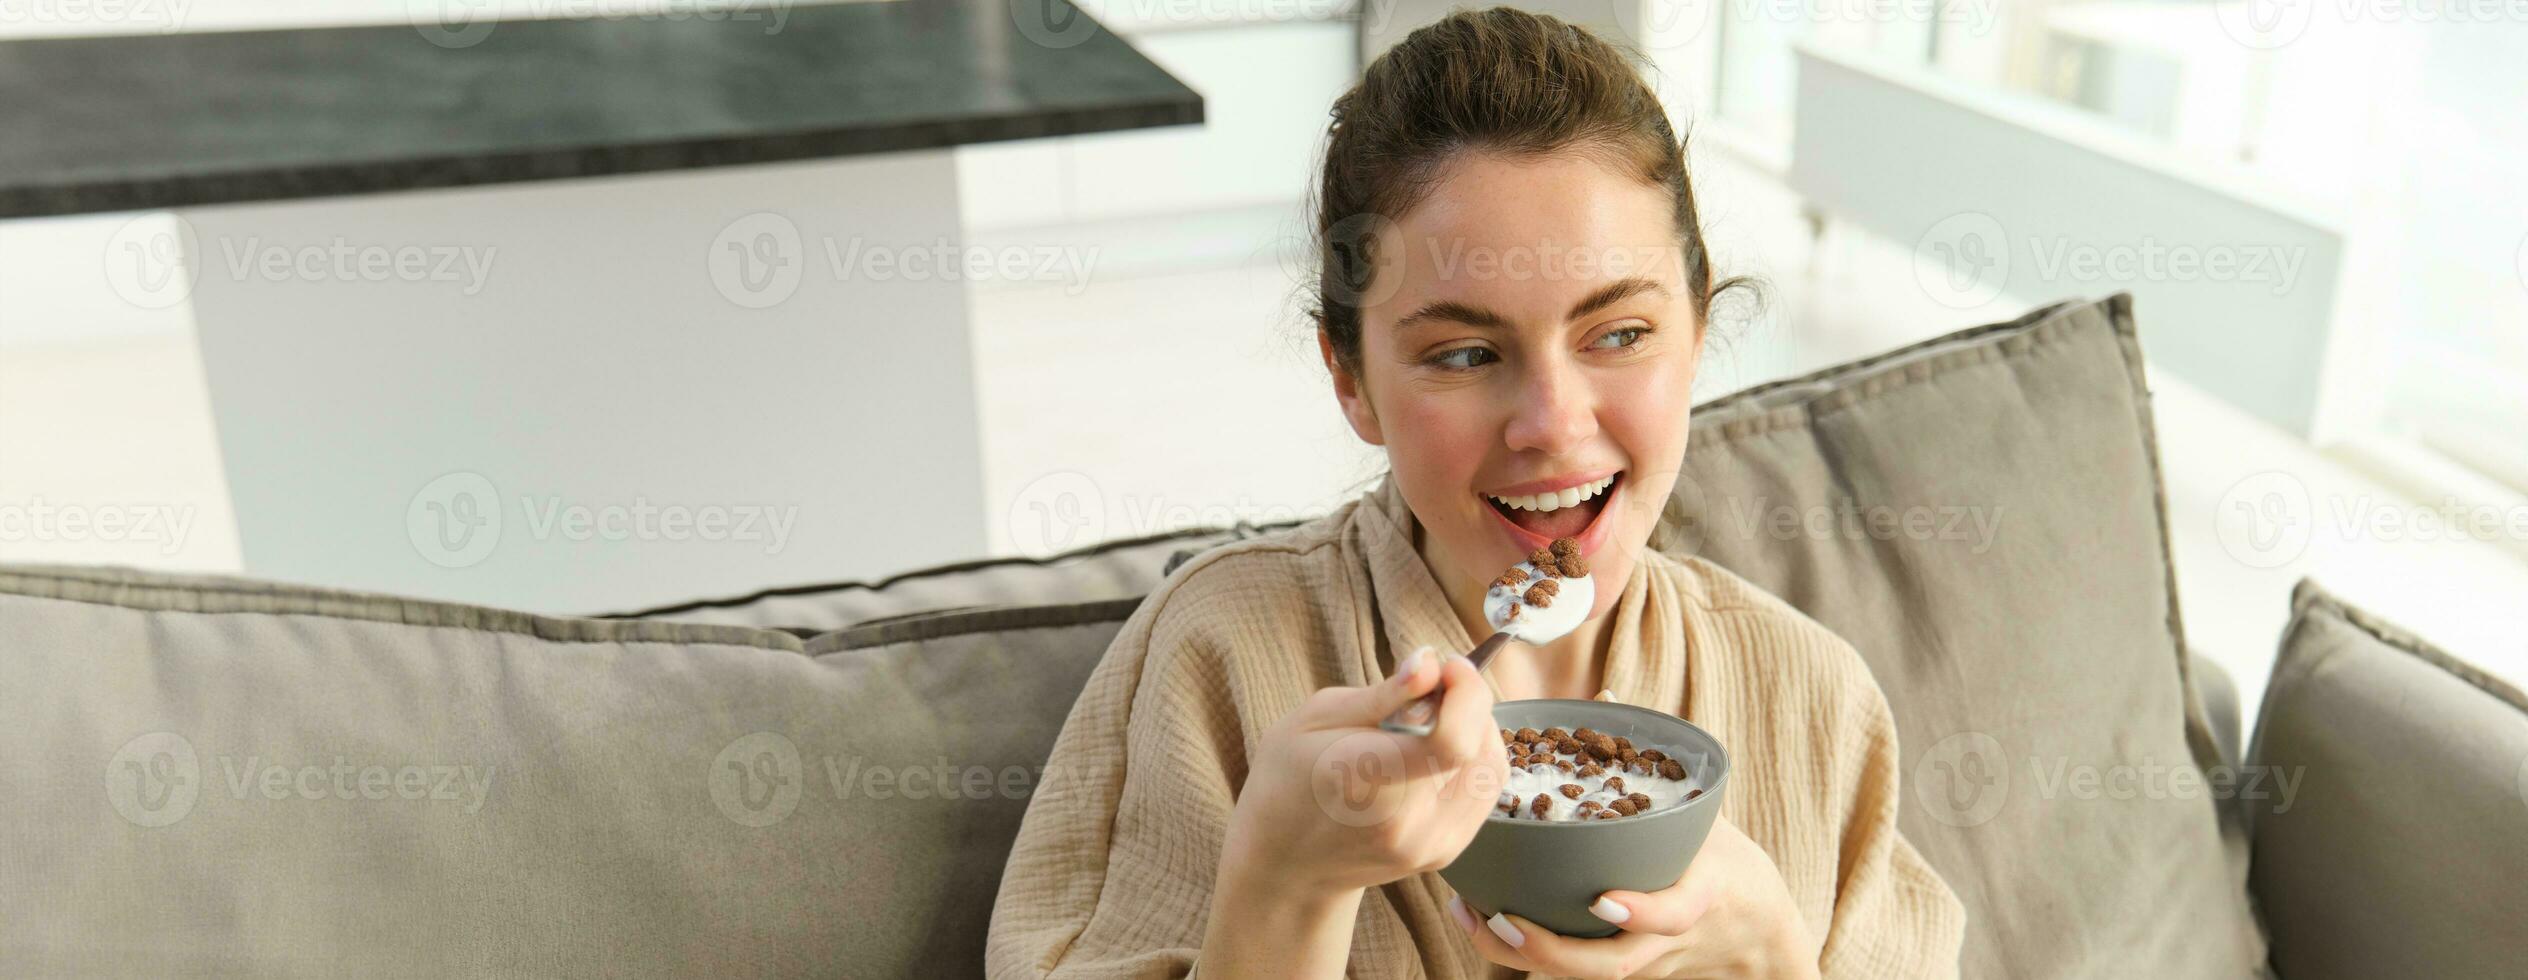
1476 316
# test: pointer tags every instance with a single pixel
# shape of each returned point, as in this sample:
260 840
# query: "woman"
1513 304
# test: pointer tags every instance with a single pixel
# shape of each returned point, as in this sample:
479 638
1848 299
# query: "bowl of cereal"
1601 797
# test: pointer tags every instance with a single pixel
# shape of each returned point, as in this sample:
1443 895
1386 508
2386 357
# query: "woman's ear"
1348 392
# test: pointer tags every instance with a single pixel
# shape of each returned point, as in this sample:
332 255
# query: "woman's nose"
1556 413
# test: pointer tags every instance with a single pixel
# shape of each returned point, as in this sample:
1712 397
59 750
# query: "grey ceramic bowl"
1550 872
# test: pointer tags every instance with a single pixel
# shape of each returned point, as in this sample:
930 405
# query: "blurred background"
1073 313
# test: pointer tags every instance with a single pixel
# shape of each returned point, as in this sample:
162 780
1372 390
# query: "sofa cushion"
212 777
1980 516
2405 850
629 768
1120 569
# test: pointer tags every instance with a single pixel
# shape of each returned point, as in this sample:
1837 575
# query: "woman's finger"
1367 705
1671 911
1487 942
1557 955
1465 728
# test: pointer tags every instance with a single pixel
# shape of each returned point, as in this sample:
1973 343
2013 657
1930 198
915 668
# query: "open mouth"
1567 513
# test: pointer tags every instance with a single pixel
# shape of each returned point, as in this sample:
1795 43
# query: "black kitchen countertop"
155 121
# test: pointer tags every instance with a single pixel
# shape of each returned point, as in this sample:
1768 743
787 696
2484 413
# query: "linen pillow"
204 776
2402 853
1980 516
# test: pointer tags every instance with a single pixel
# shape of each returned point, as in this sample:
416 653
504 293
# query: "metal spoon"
1502 609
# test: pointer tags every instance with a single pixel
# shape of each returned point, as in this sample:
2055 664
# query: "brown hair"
1503 80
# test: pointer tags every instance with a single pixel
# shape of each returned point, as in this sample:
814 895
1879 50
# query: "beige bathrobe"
1112 872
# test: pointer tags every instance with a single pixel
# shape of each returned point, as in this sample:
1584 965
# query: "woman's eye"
1463 358
1630 335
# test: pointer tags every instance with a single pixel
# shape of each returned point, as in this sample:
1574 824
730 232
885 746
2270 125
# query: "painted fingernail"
1606 908
1465 916
1607 695
1509 933
1412 662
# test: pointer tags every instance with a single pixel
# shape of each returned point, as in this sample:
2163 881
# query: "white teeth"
1546 503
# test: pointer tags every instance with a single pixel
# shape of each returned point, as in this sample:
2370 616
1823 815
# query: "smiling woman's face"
1532 335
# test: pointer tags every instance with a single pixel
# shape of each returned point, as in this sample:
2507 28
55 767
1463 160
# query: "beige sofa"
219 776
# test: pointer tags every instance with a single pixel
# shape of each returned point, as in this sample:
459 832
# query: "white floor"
1155 401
